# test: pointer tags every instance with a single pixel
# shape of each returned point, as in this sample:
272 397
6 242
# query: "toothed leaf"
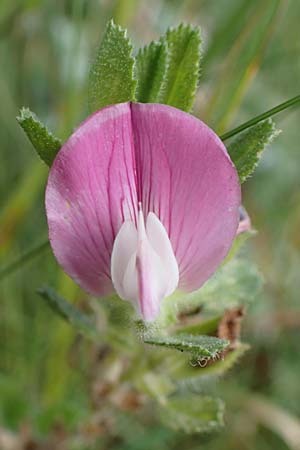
224 364
111 76
239 241
193 413
183 66
246 150
236 283
200 371
151 66
197 346
44 142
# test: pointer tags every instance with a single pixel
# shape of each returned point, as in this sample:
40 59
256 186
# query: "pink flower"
142 199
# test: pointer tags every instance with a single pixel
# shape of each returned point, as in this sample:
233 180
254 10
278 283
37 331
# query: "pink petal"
90 192
187 179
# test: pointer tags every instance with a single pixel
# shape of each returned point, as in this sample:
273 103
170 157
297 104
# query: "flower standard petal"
187 179
90 193
159 159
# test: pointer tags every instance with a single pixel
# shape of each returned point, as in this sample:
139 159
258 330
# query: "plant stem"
15 265
261 117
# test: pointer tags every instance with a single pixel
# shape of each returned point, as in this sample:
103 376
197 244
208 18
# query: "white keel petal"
143 265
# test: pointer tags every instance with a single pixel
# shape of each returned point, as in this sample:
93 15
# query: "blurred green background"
251 62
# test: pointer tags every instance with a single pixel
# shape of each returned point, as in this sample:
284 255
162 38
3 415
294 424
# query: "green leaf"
204 326
111 76
82 323
263 116
235 283
246 150
44 142
204 371
151 65
193 413
238 243
197 346
183 66
157 386
223 365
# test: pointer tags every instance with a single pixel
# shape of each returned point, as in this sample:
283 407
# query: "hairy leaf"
44 142
223 365
197 346
82 323
183 66
151 65
193 413
238 243
235 283
203 373
157 386
246 150
111 76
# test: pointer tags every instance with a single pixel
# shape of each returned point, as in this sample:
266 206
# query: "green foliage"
81 322
193 413
224 364
13 405
242 59
37 351
44 142
183 66
112 73
137 435
151 65
246 150
156 386
206 326
237 282
197 346
223 37
263 116
23 259
206 372
238 243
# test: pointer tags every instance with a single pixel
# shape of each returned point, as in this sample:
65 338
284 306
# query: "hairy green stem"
261 117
